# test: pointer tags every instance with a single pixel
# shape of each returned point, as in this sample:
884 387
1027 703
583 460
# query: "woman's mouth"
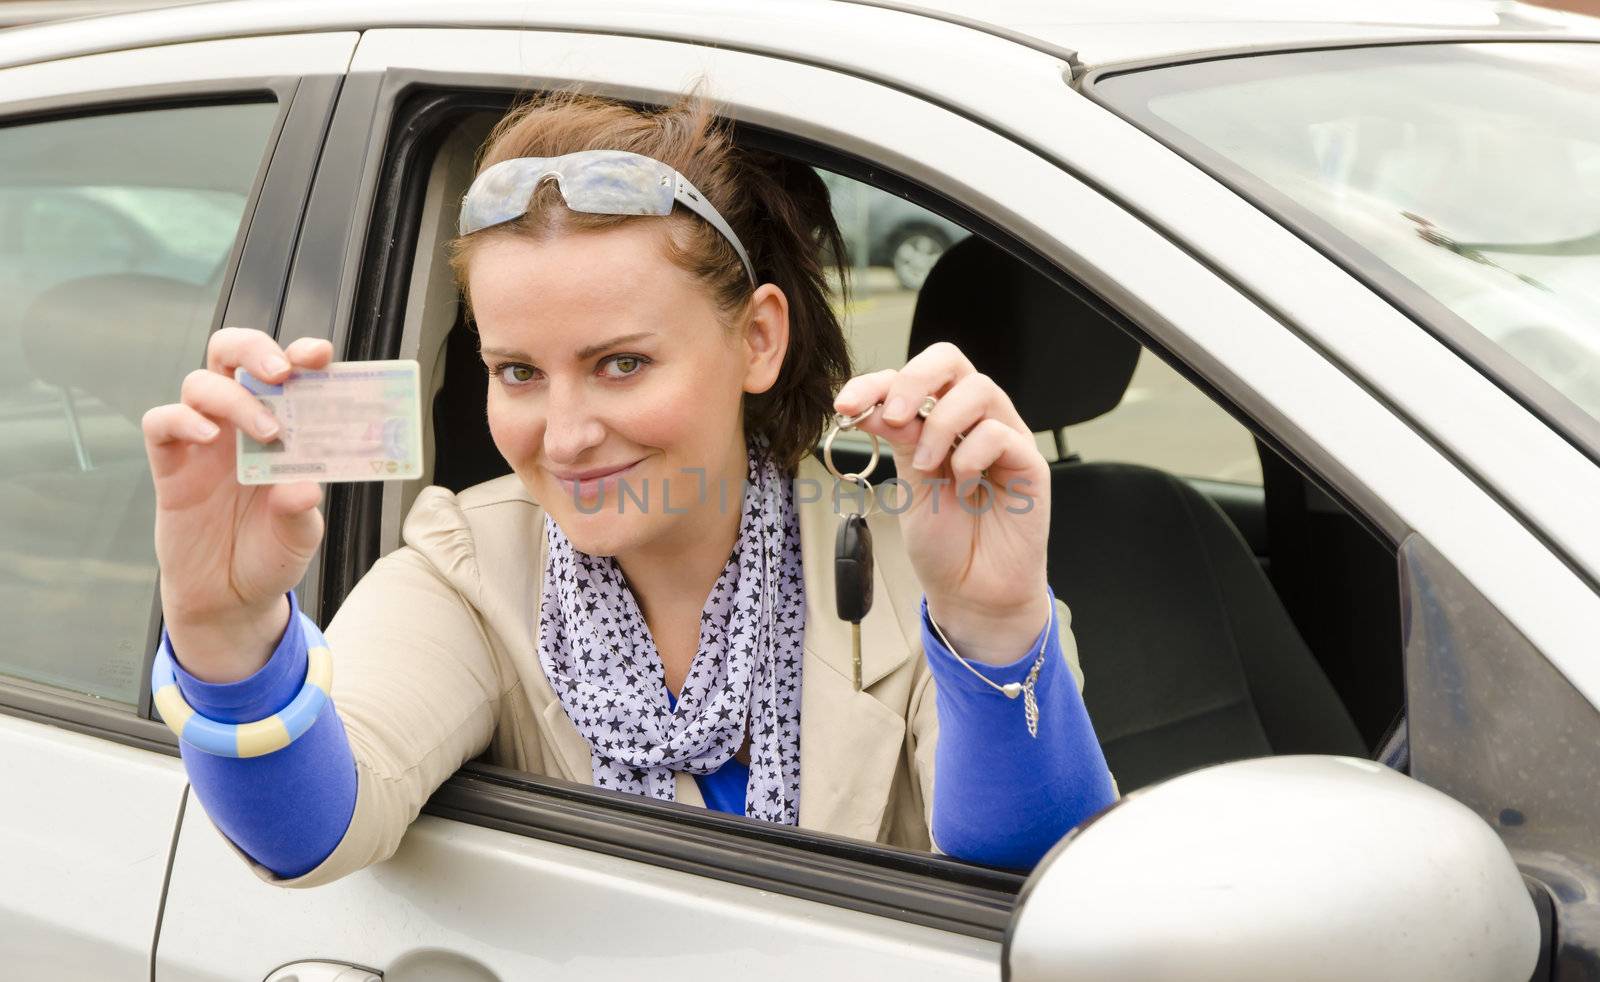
596 482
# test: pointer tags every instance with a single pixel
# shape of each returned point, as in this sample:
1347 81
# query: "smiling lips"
589 483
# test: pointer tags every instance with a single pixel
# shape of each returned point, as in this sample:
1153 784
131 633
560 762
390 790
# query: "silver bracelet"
1030 704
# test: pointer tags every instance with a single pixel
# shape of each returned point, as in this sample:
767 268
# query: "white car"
1330 536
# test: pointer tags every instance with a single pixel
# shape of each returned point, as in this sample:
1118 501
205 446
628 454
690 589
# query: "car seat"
1188 655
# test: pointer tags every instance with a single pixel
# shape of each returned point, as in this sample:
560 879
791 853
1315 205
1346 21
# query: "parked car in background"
886 230
1327 529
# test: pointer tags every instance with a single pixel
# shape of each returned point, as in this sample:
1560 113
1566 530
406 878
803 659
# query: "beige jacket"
435 663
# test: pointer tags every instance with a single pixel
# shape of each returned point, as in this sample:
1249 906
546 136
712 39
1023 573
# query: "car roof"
1106 32
1089 33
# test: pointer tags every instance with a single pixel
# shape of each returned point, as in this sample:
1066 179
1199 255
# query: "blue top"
724 788
1001 797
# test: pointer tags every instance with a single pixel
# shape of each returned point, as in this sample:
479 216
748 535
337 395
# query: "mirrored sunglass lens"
617 186
601 182
500 194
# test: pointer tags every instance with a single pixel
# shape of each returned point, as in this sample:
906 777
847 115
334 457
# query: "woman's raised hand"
980 555
229 553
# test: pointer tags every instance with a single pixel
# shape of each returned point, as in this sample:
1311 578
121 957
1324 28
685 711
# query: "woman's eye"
625 365
514 374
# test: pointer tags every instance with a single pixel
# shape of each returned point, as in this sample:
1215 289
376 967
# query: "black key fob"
852 568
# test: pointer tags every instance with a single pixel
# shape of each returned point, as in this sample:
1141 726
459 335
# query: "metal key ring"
843 422
870 498
849 422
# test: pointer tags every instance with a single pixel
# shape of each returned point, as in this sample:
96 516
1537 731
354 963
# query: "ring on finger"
928 402
926 409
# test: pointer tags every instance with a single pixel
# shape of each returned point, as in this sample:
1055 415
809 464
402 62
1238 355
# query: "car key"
852 580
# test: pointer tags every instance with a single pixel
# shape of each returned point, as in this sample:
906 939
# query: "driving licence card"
350 421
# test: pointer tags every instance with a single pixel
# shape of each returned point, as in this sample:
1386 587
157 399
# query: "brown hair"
779 208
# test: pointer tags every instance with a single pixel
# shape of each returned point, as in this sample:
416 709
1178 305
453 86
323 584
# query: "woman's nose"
571 427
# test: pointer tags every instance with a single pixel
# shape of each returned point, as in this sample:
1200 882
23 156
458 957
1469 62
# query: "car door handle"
324 972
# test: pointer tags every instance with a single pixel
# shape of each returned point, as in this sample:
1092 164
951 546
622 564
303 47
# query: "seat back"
1188 655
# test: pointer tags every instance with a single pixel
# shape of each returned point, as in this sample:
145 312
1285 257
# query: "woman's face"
614 389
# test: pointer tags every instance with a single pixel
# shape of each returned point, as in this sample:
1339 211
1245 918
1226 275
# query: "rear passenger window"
117 233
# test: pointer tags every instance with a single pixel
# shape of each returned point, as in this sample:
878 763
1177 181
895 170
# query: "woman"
646 604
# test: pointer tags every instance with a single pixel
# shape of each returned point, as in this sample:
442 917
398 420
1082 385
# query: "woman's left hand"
980 556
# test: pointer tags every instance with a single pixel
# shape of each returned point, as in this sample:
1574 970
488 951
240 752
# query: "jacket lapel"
850 742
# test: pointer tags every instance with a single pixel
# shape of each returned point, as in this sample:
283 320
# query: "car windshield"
1461 179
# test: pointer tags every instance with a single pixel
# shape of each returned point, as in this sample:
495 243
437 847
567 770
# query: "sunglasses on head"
600 182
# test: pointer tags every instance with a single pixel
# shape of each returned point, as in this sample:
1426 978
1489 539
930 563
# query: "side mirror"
1305 868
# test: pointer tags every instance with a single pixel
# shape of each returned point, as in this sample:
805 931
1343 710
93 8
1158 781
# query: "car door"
511 876
130 181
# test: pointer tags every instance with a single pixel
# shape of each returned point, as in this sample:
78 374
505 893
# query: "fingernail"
276 365
205 430
923 459
266 426
895 410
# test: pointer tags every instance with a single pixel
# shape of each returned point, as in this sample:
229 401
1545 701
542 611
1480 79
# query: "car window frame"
410 114
256 261
394 147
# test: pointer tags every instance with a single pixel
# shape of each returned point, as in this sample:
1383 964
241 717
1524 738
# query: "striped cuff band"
246 739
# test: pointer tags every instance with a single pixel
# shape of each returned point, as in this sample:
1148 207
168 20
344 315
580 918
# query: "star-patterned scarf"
597 653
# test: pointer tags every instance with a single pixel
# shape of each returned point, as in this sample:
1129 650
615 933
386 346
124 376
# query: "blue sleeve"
287 809
1000 796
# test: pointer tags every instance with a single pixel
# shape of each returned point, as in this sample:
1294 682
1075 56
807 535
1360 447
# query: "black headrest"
1059 360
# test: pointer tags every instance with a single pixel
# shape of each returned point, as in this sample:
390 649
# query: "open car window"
1150 467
